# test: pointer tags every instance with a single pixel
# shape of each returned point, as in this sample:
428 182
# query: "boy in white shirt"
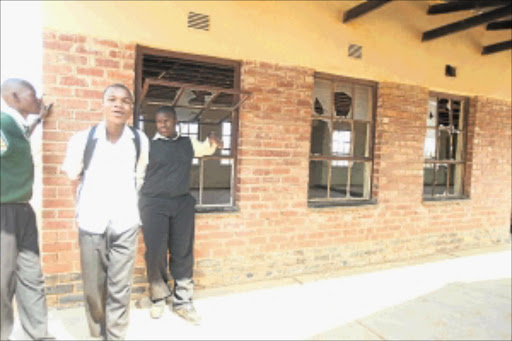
107 163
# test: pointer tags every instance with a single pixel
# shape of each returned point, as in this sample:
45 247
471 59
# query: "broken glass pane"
359 180
455 186
322 95
361 139
458 115
456 152
214 116
320 137
186 114
343 100
341 139
339 179
431 112
224 100
162 93
443 145
441 178
216 183
428 179
194 98
443 112
318 178
363 103
429 151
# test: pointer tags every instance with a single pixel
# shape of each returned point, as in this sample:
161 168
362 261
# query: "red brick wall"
491 176
274 233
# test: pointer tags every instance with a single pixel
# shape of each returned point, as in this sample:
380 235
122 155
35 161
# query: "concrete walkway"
460 296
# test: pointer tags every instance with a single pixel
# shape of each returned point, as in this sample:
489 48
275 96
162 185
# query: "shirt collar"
161 137
22 122
101 132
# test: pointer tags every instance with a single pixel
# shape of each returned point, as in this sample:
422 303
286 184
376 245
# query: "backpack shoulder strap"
136 141
90 145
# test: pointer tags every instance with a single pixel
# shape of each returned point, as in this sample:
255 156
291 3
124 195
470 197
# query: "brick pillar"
274 139
400 137
272 173
491 160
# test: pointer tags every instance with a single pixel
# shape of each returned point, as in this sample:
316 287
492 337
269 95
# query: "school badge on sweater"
4 144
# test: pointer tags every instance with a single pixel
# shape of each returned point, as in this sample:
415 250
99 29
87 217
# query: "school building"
355 132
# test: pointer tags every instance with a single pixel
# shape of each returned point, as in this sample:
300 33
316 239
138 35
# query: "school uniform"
168 215
19 248
108 220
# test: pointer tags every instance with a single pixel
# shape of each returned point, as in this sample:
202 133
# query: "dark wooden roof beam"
467 23
456 6
499 25
498 47
362 9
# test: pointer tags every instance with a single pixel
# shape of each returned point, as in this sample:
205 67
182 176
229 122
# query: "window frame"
180 128
139 92
346 201
466 102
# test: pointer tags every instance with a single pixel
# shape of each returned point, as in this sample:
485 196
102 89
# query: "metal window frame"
465 101
140 90
353 82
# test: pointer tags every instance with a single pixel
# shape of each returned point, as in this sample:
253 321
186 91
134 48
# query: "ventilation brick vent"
199 21
450 71
355 51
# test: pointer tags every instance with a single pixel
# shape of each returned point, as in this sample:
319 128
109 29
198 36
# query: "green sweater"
16 165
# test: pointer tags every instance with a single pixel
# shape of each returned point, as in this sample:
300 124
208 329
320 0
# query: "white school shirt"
108 195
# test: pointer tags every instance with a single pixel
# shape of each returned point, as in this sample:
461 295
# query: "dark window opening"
341 158
205 94
445 147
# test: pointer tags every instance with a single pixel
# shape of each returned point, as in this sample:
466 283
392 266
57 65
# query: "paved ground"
462 296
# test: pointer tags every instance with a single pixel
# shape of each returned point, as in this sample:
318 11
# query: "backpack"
91 145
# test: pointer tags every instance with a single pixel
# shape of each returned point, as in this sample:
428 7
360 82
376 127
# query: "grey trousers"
20 272
107 270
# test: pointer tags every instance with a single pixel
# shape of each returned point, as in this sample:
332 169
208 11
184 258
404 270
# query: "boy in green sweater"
19 249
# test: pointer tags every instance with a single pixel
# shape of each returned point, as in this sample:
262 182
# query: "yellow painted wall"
305 33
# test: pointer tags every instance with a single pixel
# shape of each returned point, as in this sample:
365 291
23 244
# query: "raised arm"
208 146
46 111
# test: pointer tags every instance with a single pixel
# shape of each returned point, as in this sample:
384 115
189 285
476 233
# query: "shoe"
157 309
188 312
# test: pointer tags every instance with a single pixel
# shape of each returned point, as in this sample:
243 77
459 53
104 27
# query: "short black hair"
166 110
119 86
13 83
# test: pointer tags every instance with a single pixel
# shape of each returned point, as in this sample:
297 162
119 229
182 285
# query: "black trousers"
107 262
20 272
169 224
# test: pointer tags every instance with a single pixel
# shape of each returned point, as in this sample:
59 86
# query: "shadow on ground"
461 298
458 311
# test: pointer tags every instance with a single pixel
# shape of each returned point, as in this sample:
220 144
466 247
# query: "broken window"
205 95
341 158
444 148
